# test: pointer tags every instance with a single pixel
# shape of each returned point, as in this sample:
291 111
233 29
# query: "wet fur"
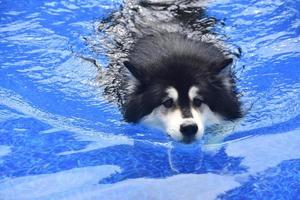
164 60
168 47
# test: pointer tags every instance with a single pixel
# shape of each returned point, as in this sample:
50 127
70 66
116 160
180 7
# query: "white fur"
170 120
172 93
227 83
166 121
199 118
193 92
210 116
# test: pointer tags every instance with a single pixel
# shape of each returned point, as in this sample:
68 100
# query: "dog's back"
142 18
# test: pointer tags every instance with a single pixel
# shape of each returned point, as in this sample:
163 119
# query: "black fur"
171 59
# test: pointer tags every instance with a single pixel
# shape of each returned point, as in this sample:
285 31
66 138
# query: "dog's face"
182 115
179 86
182 104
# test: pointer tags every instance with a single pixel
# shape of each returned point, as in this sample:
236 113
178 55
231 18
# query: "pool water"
60 139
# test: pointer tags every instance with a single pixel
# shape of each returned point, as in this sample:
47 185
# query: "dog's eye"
168 103
197 102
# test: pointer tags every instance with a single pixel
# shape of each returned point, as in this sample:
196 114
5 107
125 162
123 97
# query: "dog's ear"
222 68
133 70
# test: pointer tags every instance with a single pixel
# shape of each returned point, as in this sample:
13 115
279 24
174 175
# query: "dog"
179 85
176 83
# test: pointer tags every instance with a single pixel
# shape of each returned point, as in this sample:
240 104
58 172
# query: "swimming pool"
59 139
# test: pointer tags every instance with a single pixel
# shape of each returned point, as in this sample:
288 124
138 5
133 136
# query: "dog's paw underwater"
179 85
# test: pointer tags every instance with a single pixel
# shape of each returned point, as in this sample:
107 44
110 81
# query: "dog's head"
180 92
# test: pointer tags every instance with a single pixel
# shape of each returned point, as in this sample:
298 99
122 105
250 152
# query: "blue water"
60 139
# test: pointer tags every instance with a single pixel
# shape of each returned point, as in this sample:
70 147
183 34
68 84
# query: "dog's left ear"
223 68
133 70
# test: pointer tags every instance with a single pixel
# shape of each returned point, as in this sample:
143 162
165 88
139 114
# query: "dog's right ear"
133 70
222 68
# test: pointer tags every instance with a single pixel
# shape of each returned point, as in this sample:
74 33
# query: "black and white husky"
178 84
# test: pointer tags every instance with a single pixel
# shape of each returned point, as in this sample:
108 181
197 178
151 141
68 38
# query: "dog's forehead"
175 94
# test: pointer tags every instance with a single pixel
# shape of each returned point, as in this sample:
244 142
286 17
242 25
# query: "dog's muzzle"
189 132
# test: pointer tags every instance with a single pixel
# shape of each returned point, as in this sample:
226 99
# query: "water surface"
60 139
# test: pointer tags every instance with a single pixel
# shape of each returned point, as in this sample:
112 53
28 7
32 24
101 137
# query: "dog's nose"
188 130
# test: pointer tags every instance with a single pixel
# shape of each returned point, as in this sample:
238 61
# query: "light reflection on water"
59 138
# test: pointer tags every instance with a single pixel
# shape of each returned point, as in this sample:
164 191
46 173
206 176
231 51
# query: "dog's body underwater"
179 85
